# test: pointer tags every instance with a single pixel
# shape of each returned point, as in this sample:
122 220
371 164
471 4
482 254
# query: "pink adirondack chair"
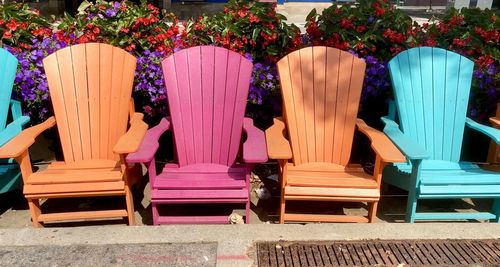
207 90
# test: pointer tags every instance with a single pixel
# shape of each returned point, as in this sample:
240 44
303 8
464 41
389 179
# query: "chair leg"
496 209
154 209
130 205
372 212
34 206
411 208
282 207
247 212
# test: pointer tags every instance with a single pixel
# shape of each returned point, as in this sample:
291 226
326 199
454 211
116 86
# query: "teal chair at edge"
431 88
10 126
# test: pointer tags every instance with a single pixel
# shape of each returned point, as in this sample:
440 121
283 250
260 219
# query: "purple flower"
110 13
248 56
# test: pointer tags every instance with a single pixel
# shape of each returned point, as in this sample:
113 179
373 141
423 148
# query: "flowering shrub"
374 27
246 27
474 34
18 24
123 24
31 82
373 30
149 88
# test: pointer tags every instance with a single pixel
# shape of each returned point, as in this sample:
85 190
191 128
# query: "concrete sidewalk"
235 243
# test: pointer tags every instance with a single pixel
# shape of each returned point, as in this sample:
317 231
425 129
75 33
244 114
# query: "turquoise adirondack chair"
10 126
431 88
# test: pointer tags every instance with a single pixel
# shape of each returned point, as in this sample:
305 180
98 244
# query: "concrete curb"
235 242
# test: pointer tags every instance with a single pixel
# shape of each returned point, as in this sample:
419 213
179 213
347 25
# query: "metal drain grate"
380 253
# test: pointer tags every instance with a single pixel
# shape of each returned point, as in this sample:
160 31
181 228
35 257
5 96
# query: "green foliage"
371 27
246 27
18 24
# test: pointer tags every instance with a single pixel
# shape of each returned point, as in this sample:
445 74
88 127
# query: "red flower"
130 48
459 42
430 42
483 61
443 28
456 20
7 35
2 21
12 25
379 11
226 10
25 46
361 28
242 13
393 36
254 18
96 30
396 50
82 39
359 46
346 24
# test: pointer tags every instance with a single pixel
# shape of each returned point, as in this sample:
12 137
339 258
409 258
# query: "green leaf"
255 34
84 5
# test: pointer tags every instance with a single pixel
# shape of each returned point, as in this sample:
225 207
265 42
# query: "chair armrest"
491 132
254 148
277 145
21 142
15 108
13 129
130 141
495 121
149 144
411 149
380 143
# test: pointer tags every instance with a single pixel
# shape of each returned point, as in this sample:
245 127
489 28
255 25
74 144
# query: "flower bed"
373 30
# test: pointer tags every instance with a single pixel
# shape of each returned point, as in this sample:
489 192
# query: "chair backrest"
321 88
90 86
207 90
431 87
8 69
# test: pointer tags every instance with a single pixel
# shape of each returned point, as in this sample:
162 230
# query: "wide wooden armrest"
12 129
491 132
150 144
495 121
21 142
277 145
380 143
254 148
131 140
411 149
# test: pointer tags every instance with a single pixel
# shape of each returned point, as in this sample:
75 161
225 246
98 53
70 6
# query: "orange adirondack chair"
90 86
493 152
321 88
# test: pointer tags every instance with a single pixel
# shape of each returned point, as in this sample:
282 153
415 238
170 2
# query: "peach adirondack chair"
90 86
493 152
207 90
321 88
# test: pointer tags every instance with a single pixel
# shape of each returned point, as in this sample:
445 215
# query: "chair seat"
459 182
330 181
200 182
445 179
85 178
